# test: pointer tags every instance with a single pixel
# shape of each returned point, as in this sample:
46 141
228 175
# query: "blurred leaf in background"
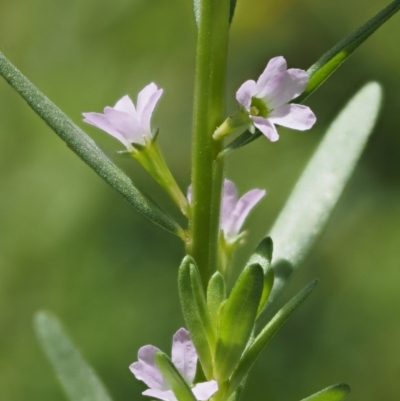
71 245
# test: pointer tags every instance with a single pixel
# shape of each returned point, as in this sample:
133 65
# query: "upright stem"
209 104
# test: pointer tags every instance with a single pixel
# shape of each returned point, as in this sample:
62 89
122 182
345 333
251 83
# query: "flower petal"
125 124
284 87
266 127
126 105
295 116
229 200
147 101
146 369
102 122
245 92
184 355
161 395
242 209
203 391
275 66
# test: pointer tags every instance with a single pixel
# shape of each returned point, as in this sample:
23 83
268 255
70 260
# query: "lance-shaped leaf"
262 254
268 283
237 320
193 317
318 190
216 294
77 378
253 352
337 392
327 65
85 147
177 383
332 59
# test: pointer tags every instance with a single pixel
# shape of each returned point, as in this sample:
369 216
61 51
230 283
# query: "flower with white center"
127 123
266 102
234 211
184 357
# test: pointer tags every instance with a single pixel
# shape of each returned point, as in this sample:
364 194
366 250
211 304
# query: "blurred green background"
70 244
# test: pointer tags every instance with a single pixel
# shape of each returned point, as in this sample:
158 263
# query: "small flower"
126 123
234 211
184 357
266 100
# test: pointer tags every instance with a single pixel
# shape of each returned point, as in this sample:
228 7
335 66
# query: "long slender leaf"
253 352
216 294
85 147
327 65
337 392
318 190
192 316
237 320
262 254
174 378
77 378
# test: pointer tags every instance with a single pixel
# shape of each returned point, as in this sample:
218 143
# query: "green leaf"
269 277
327 65
196 4
173 378
216 294
202 307
77 378
263 254
85 148
337 392
332 59
318 190
192 316
253 352
241 306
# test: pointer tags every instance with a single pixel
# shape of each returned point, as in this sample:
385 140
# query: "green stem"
209 103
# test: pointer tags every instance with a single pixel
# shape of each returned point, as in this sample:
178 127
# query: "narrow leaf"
253 352
77 378
173 377
237 320
327 65
192 316
337 392
263 254
332 59
85 148
216 294
201 303
269 277
318 190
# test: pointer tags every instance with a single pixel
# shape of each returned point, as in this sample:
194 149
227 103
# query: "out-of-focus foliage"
69 244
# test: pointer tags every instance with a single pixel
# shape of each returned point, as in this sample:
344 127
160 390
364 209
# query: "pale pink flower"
184 357
125 122
234 211
266 100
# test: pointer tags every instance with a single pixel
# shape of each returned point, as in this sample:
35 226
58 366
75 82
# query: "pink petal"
242 209
295 116
184 355
275 66
147 101
266 127
229 200
102 122
203 391
125 124
284 87
245 92
126 105
161 395
146 369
